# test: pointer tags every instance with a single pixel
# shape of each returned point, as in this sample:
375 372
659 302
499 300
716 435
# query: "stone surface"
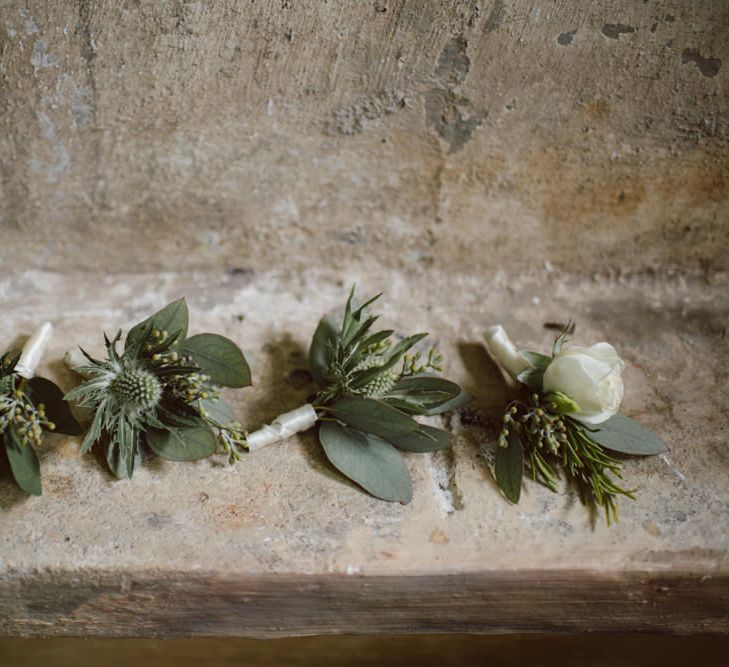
281 544
135 135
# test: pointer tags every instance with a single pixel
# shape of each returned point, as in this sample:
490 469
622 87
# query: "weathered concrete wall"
144 135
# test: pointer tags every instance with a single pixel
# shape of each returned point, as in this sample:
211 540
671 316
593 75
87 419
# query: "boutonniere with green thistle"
369 389
566 418
29 406
161 393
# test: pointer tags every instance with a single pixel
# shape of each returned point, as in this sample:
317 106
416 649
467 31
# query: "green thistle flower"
159 393
146 386
137 388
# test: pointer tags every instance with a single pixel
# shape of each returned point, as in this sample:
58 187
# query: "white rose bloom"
503 350
591 377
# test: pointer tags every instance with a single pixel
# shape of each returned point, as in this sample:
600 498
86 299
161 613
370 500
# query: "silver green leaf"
186 443
217 410
220 358
367 460
622 434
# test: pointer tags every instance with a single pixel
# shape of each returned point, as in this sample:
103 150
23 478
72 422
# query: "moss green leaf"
220 358
367 460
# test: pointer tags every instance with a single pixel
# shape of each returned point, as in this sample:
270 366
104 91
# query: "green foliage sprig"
161 393
29 408
366 406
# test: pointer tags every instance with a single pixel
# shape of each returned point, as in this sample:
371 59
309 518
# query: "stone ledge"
94 556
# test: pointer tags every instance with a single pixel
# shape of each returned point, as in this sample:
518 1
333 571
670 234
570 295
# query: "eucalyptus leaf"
372 416
324 338
187 443
367 460
57 409
509 467
220 358
622 434
424 439
217 410
23 463
172 318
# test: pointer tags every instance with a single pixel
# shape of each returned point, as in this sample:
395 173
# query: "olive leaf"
422 394
220 358
23 463
58 410
173 318
369 461
185 443
509 467
622 434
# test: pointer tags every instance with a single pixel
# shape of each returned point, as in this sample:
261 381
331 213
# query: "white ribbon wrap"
504 352
284 426
33 350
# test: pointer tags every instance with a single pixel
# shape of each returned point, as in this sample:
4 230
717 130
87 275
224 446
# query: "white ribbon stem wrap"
33 350
504 352
284 426
75 360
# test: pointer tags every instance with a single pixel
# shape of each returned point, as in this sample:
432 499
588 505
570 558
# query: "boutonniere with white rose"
29 406
369 390
566 419
160 394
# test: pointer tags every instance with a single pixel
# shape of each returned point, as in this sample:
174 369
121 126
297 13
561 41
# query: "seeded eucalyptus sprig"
565 421
161 393
369 389
29 406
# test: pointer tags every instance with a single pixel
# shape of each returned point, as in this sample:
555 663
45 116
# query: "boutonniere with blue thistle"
160 393
29 406
565 420
369 390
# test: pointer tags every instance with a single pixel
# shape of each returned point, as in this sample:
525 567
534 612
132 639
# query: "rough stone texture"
281 544
136 135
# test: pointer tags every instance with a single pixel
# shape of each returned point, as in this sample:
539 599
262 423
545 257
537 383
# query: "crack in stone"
443 472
